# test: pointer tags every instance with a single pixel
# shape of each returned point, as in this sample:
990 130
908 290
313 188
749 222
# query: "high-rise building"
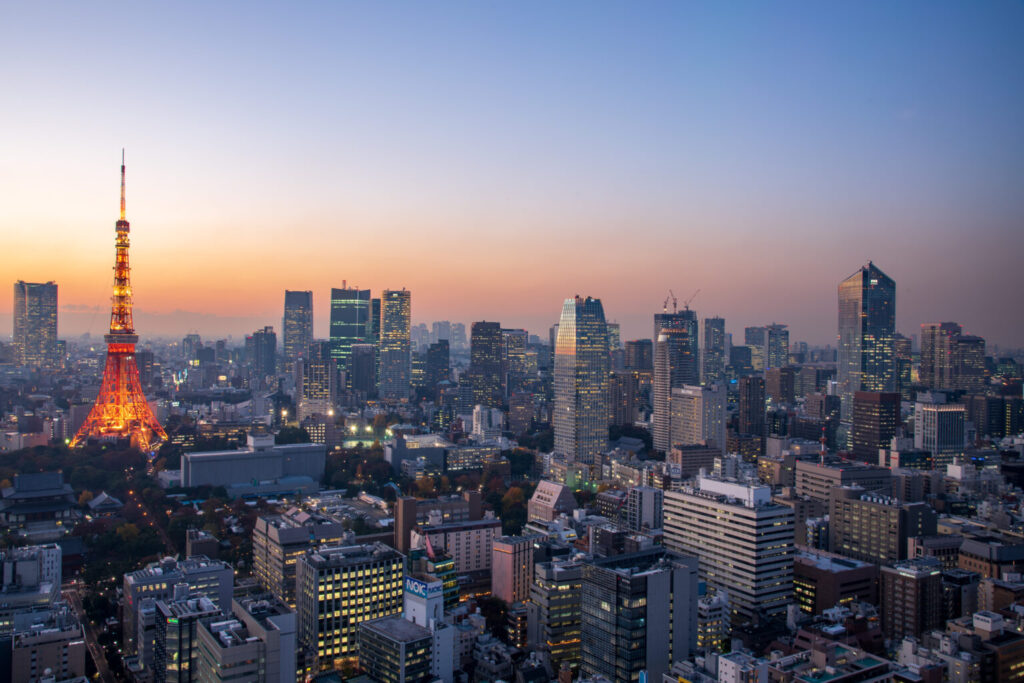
441 330
554 612
339 587
581 381
911 598
670 372
939 428
713 360
938 342
903 353
743 540
698 416
776 353
205 577
395 344
512 568
752 406
362 369
970 363
780 385
640 355
872 527
35 324
513 358
876 415
638 614
396 650
317 381
644 508
438 365
623 396
867 325
255 643
297 324
485 354
261 349
279 540
176 648
350 322
686 348
458 338
822 581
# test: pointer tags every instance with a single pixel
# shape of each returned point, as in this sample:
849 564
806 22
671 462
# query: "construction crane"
686 304
675 302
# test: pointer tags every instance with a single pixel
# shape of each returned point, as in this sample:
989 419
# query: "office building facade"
35 324
395 345
297 324
337 589
867 326
581 381
639 613
743 540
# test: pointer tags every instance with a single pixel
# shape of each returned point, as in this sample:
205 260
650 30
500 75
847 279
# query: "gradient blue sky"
495 158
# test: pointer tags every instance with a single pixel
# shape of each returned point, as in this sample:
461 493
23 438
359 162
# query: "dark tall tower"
867 326
875 418
485 351
121 410
35 323
297 324
261 348
395 357
713 365
751 412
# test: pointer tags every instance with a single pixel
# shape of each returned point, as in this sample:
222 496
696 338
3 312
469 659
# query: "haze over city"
495 159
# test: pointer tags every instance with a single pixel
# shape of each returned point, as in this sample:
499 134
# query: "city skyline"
758 155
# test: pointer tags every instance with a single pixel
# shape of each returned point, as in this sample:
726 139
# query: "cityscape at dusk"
512 342
494 159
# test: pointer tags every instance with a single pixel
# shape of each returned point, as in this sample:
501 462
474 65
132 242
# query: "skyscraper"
936 368
751 406
713 365
876 415
639 612
671 371
776 346
743 540
939 428
485 352
35 323
687 350
317 377
297 324
395 344
261 348
350 322
867 325
698 415
581 380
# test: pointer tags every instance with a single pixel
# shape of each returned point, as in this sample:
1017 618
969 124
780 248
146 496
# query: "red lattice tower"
121 410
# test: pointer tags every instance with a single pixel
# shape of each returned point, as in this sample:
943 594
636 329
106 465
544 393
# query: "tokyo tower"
121 410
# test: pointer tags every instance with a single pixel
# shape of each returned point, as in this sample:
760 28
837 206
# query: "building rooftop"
398 629
829 563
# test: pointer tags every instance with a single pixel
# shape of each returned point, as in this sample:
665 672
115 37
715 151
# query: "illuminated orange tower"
121 410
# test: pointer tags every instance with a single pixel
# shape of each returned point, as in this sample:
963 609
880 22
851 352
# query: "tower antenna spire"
122 183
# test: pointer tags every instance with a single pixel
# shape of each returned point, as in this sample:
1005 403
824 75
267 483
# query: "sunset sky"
497 157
